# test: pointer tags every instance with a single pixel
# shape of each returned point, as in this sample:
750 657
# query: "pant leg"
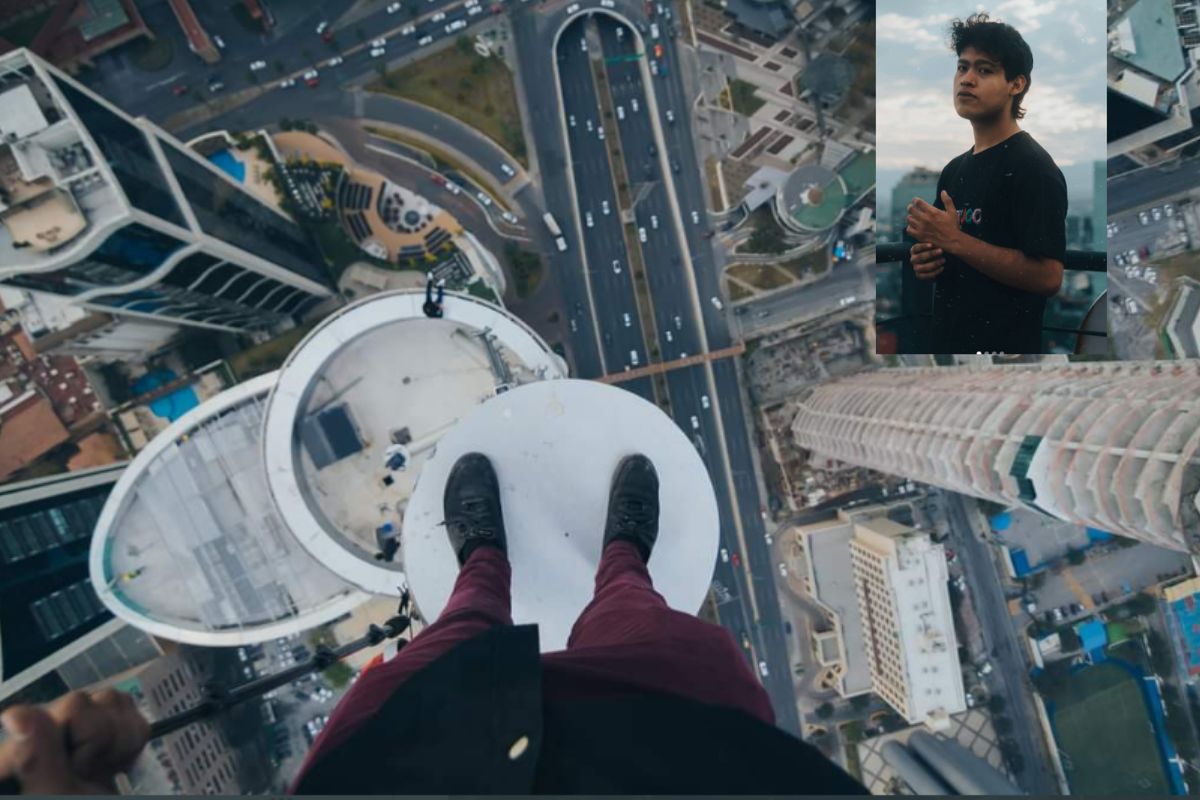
624 608
480 601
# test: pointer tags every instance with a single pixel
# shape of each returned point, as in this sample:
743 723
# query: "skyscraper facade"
1111 445
118 216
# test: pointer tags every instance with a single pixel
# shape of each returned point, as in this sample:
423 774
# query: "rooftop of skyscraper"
55 179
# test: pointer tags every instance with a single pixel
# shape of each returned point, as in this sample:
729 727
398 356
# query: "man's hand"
928 224
75 745
928 261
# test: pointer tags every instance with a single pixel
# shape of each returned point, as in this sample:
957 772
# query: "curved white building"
1113 445
372 377
269 509
188 546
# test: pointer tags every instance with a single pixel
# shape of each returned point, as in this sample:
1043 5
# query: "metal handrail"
1077 260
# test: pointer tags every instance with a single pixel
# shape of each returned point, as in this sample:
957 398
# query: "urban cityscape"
266 265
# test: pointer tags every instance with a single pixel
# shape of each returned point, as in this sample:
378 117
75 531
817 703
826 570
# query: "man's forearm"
1004 265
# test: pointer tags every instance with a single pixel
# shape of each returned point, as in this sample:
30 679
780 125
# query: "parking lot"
1135 239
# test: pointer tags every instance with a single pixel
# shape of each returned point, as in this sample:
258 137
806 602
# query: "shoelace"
472 518
633 514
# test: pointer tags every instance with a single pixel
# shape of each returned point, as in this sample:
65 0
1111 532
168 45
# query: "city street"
1010 674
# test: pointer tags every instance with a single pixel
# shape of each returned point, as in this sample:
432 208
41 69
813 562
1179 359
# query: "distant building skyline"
1111 445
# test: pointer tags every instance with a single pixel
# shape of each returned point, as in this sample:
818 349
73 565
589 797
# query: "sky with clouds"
1066 105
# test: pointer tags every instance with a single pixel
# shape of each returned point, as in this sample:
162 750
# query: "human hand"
75 745
927 261
929 224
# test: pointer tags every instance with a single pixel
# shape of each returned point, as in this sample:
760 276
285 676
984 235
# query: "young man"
995 238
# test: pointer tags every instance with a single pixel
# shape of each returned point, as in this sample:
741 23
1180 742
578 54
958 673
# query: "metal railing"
916 296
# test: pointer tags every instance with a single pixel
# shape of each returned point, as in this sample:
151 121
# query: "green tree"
825 710
338 674
464 45
766 238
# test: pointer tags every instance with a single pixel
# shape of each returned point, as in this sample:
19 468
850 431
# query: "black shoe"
472 507
633 505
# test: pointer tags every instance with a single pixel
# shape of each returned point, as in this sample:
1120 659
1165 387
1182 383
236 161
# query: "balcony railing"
911 325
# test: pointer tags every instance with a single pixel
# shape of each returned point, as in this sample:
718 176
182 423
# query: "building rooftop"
55 182
1147 37
816 195
829 550
189 546
1183 320
375 378
29 428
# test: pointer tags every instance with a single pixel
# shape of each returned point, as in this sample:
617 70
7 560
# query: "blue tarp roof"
1092 634
1097 535
1001 521
1020 562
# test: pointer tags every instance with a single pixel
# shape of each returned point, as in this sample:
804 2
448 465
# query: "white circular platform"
555 446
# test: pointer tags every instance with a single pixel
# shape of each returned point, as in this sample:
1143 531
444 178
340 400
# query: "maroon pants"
626 638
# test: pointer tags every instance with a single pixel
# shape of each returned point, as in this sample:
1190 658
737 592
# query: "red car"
438 179
179 90
658 51
327 36
735 559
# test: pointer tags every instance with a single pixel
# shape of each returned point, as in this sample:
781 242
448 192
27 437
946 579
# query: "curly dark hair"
1002 42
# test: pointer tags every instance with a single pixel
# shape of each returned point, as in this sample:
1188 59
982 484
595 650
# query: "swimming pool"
229 165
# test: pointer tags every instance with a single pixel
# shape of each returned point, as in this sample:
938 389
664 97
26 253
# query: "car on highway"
600 132
783 570
704 402
215 84
653 30
474 10
587 218
408 30
335 61
394 7
219 42
695 424
627 320
658 50
607 4
179 89
453 188
322 26
654 222
376 52
674 166
483 198
678 323
762 669
642 235
583 44
653 67
571 120
633 103
620 112
745 640
670 116
695 217
1143 218
380 42
457 25
716 301
735 559
617 266
724 555
424 40
604 207
588 124
633 357
668 336
507 170
574 326
845 301
287 83
571 9
438 17
312 78
769 539
651 150
255 66
509 217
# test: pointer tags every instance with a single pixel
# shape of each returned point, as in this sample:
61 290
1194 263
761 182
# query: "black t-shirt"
1010 195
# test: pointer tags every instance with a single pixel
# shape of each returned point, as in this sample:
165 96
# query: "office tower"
119 217
1110 445
907 627
55 635
276 506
